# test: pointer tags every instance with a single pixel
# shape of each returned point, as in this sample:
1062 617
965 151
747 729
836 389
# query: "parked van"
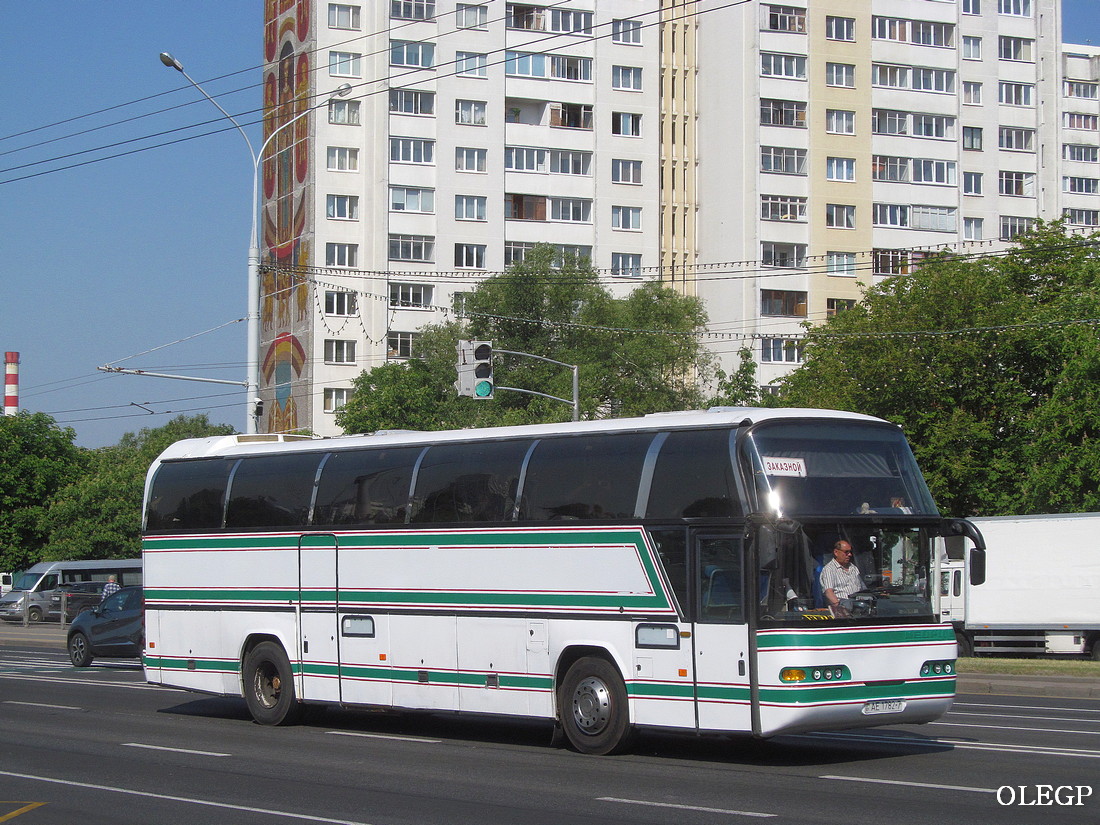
36 592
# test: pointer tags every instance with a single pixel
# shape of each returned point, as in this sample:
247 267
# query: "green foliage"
740 389
98 514
975 359
636 355
37 458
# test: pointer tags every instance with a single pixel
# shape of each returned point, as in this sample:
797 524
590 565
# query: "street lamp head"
170 62
343 90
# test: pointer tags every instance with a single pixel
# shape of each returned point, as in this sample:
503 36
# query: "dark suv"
113 629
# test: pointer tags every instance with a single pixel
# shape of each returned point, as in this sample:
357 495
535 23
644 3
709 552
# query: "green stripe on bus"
853 637
810 694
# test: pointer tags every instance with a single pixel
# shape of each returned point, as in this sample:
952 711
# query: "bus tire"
592 706
269 686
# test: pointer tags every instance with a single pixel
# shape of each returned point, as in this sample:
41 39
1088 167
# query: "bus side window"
672 548
721 587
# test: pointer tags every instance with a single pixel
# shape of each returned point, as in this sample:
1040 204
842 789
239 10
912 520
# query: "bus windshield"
833 468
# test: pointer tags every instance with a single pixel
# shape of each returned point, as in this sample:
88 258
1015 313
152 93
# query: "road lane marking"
89 681
173 750
384 736
725 811
185 799
911 784
40 705
30 806
1002 716
1018 707
1016 727
950 742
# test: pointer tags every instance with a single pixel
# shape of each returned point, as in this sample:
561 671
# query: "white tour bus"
658 571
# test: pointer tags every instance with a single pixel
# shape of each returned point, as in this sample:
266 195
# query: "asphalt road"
100 746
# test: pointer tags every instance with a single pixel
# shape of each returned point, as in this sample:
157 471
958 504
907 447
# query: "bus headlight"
943 667
827 673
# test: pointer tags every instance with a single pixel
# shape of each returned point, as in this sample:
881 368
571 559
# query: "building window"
784 19
524 64
1081 153
927 170
837 305
343 159
412 150
626 265
567 162
840 264
783 160
470 255
973 229
528 18
525 207
626 77
935 218
516 251
471 17
1081 186
411 102
781 350
341 254
892 77
335 398
345 64
934 126
411 296
1015 94
1012 226
343 112
627 124
784 302
469 159
840 216
1011 137
342 207
934 80
571 210
972 48
1017 8
890 214
628 32
1017 184
971 6
574 116
401 344
840 169
889 122
840 74
339 351
773 64
412 54
840 122
1081 88
524 159
782 208
412 9
786 255
1016 48
1079 120
471 64
626 171
340 303
564 67
972 183
470 112
782 113
891 261
972 138
886 167
1082 217
343 16
571 22
626 217
840 28
470 207
412 248
412 199
972 92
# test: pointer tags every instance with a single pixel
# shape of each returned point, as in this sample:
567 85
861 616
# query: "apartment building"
771 158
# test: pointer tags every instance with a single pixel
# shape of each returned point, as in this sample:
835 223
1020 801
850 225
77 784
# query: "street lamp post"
252 391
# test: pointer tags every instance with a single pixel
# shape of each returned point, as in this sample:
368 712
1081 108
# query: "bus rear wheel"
593 709
269 686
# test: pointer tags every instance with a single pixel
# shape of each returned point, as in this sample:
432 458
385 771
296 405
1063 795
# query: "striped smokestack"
11 383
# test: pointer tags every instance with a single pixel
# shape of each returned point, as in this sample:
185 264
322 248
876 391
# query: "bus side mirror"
962 527
977 566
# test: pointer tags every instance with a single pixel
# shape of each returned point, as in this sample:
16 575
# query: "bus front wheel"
593 707
269 686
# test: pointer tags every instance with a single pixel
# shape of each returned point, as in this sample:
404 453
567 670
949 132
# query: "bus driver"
840 579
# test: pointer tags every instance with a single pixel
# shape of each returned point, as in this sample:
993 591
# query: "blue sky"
109 260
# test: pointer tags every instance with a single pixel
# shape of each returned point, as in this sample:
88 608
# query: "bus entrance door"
317 646
720 633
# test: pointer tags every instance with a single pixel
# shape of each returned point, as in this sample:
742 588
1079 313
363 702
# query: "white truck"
1041 592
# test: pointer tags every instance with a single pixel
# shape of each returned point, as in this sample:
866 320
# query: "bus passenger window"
693 477
720 584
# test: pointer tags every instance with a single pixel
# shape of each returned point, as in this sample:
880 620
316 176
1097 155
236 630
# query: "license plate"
885 706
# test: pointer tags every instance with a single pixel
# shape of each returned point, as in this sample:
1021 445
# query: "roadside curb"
47 635
1066 687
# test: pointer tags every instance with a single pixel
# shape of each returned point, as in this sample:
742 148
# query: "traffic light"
475 369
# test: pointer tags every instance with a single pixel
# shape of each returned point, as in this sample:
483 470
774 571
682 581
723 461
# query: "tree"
636 354
38 458
98 514
986 365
